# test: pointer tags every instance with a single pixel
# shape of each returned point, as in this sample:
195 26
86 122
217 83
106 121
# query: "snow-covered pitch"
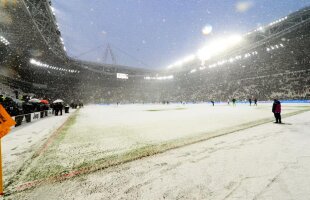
99 136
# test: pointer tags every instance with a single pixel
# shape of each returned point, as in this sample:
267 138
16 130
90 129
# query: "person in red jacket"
276 109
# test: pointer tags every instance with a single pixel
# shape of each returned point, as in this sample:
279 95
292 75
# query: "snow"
269 161
21 143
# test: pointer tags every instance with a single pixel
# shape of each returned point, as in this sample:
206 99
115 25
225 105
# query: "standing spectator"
61 107
234 102
81 105
58 108
55 108
52 105
1 98
28 109
276 109
255 102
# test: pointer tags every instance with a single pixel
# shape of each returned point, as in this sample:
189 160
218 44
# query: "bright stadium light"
278 21
183 61
213 65
159 77
217 47
207 29
277 46
4 41
212 49
229 60
193 71
40 64
53 10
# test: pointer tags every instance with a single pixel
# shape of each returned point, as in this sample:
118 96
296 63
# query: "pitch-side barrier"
31 117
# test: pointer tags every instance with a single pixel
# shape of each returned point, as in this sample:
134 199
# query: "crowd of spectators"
19 104
281 73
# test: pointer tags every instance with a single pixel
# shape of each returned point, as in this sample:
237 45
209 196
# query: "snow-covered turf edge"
132 155
9 184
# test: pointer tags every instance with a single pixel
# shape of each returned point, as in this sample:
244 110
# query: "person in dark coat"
234 102
250 101
276 109
255 102
28 109
10 106
1 98
60 108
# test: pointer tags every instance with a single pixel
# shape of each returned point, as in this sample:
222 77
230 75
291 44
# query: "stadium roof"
32 31
254 39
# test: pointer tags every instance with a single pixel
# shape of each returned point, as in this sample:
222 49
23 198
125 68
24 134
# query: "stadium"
264 49
134 114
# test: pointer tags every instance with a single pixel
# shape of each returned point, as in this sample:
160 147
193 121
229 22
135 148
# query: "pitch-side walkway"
21 143
269 161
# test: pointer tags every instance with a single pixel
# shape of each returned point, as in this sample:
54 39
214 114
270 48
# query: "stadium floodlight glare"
213 65
193 71
40 64
230 60
278 21
53 10
218 46
212 49
4 41
261 29
277 46
183 61
159 77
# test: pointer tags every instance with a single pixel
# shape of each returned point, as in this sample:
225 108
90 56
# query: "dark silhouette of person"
276 109
61 107
58 108
234 102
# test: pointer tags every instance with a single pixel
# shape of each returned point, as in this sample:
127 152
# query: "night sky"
156 33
